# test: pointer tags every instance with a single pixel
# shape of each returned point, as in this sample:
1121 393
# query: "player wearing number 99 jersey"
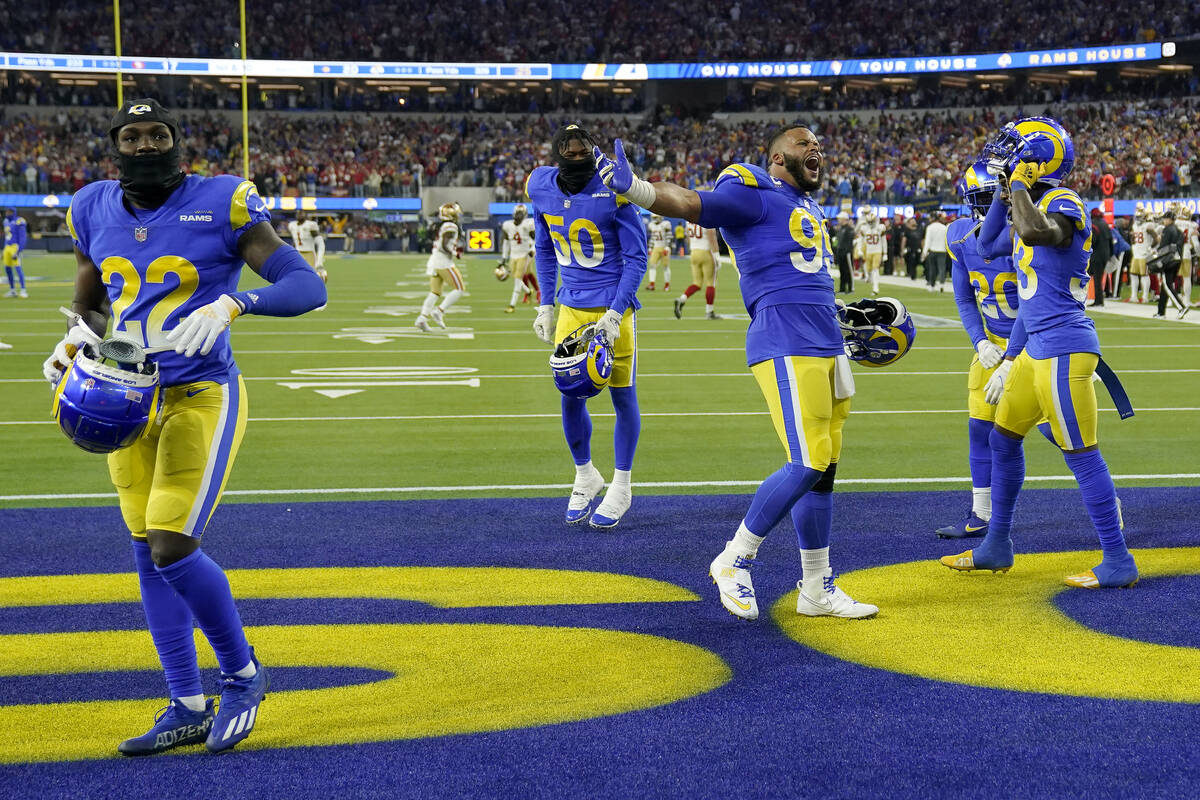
162 252
594 240
776 235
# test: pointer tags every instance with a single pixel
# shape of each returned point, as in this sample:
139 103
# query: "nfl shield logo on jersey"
140 234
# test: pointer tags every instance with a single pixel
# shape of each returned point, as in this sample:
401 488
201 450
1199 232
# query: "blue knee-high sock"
777 494
577 425
21 275
1044 429
1008 473
628 425
203 586
8 272
979 452
1100 500
813 517
170 623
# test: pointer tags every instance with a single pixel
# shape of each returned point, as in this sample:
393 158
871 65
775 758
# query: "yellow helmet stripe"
1037 126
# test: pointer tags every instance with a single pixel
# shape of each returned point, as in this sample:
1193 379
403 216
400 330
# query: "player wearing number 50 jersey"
1053 350
162 253
594 241
794 346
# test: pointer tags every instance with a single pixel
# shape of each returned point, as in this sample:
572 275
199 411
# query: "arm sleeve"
1016 339
993 238
633 253
295 288
544 258
730 205
964 295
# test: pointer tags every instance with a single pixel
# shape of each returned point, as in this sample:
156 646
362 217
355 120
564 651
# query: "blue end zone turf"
789 719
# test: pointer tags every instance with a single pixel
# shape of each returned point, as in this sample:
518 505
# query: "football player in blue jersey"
14 242
161 252
1053 350
594 240
776 235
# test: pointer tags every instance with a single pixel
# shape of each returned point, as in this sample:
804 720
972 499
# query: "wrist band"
641 193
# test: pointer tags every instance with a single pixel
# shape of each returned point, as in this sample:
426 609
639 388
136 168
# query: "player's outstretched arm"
295 287
663 198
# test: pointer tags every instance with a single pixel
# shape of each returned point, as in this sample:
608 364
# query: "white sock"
451 298
584 470
981 503
427 307
193 702
814 565
248 671
516 295
682 298
744 543
620 479
653 273
875 280
666 275
708 308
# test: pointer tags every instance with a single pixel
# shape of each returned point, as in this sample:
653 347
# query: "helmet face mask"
102 407
582 363
449 212
1040 140
978 186
876 332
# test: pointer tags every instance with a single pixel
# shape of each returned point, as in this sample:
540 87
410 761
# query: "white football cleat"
422 323
438 319
831 601
616 502
731 574
23 293
582 494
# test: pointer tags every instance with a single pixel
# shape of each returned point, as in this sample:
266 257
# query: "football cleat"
649 288
422 323
969 528
509 310
966 562
831 601
582 494
23 293
666 287
732 578
678 309
437 315
1107 575
713 315
616 502
11 293
174 726
238 709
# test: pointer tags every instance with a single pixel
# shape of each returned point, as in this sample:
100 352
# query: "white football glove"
64 351
989 354
543 325
995 385
200 329
609 325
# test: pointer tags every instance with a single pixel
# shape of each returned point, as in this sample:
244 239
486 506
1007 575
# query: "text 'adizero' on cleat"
830 601
731 574
238 709
965 562
174 726
969 528
616 502
586 487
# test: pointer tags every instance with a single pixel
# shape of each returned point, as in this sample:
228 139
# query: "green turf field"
352 401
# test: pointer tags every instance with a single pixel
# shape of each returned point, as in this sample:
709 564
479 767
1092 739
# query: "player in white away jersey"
307 239
442 268
659 231
516 251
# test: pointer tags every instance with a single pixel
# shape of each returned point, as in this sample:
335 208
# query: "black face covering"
148 180
573 174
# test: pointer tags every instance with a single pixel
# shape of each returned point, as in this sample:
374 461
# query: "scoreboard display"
481 240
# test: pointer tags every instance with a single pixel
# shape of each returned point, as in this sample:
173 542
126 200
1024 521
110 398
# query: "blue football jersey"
984 288
593 239
783 255
159 266
1052 284
14 232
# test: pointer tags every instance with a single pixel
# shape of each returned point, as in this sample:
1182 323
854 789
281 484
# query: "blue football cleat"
969 528
1108 574
174 726
238 709
582 494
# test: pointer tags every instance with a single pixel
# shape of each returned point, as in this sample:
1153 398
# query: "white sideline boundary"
548 487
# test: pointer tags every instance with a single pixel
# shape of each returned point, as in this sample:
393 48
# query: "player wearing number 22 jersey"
794 346
594 241
162 252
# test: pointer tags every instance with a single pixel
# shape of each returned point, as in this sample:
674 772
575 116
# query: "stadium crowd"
549 30
1149 146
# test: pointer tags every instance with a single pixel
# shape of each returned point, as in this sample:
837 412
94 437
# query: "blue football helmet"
102 407
977 187
876 332
1037 139
582 364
